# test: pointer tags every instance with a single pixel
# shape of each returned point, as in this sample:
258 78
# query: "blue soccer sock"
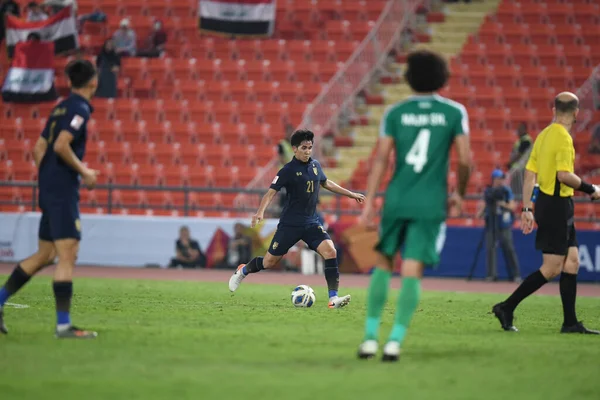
4 295
63 293
332 276
63 318
16 281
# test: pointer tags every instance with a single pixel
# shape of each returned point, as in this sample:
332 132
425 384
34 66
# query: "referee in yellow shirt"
552 163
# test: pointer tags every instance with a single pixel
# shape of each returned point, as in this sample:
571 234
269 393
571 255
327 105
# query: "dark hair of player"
80 73
565 107
426 71
300 136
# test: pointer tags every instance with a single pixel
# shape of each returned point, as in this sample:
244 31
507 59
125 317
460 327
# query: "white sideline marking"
14 305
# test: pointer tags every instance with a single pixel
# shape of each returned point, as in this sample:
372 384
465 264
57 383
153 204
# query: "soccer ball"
303 296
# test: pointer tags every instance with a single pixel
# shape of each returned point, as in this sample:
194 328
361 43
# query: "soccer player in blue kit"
301 178
58 154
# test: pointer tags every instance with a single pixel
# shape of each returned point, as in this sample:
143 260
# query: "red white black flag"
237 17
30 78
61 29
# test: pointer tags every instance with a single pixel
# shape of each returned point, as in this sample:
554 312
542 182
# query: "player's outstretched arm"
337 189
264 204
39 150
572 180
62 147
564 167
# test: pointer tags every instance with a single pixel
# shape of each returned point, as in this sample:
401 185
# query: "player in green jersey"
421 130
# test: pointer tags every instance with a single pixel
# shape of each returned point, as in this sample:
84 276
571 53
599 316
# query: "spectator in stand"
595 143
328 144
155 43
519 153
188 251
521 146
108 63
56 5
35 12
240 247
7 7
407 39
125 39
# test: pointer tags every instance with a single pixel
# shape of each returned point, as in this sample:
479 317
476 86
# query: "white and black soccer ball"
303 296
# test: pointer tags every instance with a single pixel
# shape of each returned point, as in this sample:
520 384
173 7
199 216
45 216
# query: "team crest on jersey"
78 225
275 245
77 121
315 170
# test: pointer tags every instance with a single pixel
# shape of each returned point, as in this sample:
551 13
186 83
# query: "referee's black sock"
255 265
568 294
532 283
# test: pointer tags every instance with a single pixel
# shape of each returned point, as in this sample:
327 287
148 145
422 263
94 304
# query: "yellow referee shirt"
553 151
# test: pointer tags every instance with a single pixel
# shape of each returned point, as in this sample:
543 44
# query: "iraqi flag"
30 78
61 28
237 17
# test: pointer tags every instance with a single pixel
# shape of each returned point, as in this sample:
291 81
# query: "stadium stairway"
447 37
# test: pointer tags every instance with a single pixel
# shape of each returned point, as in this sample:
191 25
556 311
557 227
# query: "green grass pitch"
189 340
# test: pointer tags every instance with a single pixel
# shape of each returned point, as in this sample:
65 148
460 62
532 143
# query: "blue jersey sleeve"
281 180
322 176
46 132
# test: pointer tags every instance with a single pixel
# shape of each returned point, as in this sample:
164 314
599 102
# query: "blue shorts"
60 221
287 236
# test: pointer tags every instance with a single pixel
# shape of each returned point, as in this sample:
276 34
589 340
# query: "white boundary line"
14 305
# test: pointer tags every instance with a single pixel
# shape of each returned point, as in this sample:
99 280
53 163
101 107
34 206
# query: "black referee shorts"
556 226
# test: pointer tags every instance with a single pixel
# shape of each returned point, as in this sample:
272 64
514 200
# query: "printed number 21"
310 186
417 155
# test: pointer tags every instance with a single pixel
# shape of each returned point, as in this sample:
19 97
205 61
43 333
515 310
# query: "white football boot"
339 302
367 349
391 351
236 279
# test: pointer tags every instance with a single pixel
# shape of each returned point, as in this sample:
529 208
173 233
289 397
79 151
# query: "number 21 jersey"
423 129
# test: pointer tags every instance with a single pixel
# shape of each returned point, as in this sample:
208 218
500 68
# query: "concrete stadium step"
447 38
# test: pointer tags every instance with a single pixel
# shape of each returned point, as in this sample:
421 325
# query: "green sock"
408 300
376 298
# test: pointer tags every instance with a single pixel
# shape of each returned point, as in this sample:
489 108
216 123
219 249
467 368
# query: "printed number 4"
417 155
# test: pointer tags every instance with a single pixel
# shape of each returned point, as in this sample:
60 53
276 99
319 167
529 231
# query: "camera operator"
499 218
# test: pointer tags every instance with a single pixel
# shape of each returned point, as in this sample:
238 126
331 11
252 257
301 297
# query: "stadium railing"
188 206
322 114
589 102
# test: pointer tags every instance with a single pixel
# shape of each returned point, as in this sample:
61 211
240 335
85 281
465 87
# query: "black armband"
586 188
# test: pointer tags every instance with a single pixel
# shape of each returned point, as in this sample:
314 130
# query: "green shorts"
419 240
